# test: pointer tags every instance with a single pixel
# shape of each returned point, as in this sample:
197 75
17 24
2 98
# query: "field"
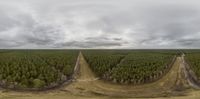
102 74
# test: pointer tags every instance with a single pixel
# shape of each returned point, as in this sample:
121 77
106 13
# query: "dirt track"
173 85
188 75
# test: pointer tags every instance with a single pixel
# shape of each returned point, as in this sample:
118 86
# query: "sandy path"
87 85
188 78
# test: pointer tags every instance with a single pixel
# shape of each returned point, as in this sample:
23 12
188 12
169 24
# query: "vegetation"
36 68
193 58
127 66
103 61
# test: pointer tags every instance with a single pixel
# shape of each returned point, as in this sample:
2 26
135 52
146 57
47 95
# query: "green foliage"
193 58
141 67
37 83
126 66
103 61
36 68
67 70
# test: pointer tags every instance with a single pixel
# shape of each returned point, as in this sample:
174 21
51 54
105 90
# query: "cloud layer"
99 24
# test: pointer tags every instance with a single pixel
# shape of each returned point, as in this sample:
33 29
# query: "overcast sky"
99 24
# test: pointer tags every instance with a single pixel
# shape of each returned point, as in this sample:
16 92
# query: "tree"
37 83
67 70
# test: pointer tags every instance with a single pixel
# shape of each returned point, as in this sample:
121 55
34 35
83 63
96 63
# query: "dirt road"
173 85
188 76
88 85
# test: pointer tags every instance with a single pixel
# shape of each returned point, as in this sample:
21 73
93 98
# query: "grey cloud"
189 42
99 24
88 44
9 43
117 39
43 35
93 42
28 31
98 38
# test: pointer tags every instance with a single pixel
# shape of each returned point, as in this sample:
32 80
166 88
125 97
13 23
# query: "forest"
130 67
36 69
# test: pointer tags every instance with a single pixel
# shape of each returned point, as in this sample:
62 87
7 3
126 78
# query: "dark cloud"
93 42
98 38
117 39
189 42
43 35
89 44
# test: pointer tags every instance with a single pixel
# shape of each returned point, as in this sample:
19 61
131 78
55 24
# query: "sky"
109 24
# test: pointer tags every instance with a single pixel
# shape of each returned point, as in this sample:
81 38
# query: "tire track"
88 84
188 76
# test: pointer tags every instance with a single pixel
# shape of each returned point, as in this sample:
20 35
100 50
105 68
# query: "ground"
174 85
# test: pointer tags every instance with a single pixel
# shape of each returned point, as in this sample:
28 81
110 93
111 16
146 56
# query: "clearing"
173 85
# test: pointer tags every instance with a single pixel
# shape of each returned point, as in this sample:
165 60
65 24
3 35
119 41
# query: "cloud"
93 42
99 24
89 44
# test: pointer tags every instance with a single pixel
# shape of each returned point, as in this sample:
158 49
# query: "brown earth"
173 85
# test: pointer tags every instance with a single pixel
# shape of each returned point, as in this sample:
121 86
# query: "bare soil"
174 85
88 84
